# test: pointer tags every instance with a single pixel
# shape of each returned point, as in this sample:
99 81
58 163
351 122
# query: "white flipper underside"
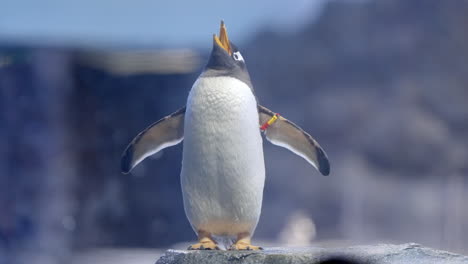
285 133
166 132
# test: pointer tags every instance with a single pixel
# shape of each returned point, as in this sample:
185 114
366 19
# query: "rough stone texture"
382 253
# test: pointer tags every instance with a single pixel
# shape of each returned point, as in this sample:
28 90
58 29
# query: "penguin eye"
237 56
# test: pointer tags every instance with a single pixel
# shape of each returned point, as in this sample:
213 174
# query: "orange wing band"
269 122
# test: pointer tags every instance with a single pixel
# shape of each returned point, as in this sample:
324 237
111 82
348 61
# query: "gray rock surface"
381 253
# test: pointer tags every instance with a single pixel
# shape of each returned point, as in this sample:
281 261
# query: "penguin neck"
241 75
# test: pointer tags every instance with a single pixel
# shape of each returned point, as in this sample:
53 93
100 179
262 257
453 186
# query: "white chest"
223 169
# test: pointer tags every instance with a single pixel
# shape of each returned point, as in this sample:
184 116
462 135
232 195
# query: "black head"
226 59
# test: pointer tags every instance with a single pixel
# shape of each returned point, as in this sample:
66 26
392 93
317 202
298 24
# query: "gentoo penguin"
223 170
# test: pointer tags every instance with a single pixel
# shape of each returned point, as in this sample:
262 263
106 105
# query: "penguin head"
226 59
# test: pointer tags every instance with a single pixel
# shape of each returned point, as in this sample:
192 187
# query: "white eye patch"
237 56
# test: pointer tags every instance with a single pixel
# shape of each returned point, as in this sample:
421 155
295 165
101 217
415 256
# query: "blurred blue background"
163 24
381 84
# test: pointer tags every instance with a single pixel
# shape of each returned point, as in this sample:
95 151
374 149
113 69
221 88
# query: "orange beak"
223 40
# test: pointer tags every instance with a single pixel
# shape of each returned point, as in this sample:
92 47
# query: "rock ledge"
381 253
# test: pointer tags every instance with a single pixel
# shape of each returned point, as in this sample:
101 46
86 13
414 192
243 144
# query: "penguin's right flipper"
166 132
285 133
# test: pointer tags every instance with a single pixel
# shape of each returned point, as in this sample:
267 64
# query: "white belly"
223 171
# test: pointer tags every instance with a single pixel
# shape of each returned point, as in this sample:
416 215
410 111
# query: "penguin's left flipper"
285 133
166 132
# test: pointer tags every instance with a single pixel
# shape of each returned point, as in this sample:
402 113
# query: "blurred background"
381 84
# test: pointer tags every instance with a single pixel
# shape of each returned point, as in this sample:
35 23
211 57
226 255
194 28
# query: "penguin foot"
204 246
243 245
205 243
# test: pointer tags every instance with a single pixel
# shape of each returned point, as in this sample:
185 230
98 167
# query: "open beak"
223 40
